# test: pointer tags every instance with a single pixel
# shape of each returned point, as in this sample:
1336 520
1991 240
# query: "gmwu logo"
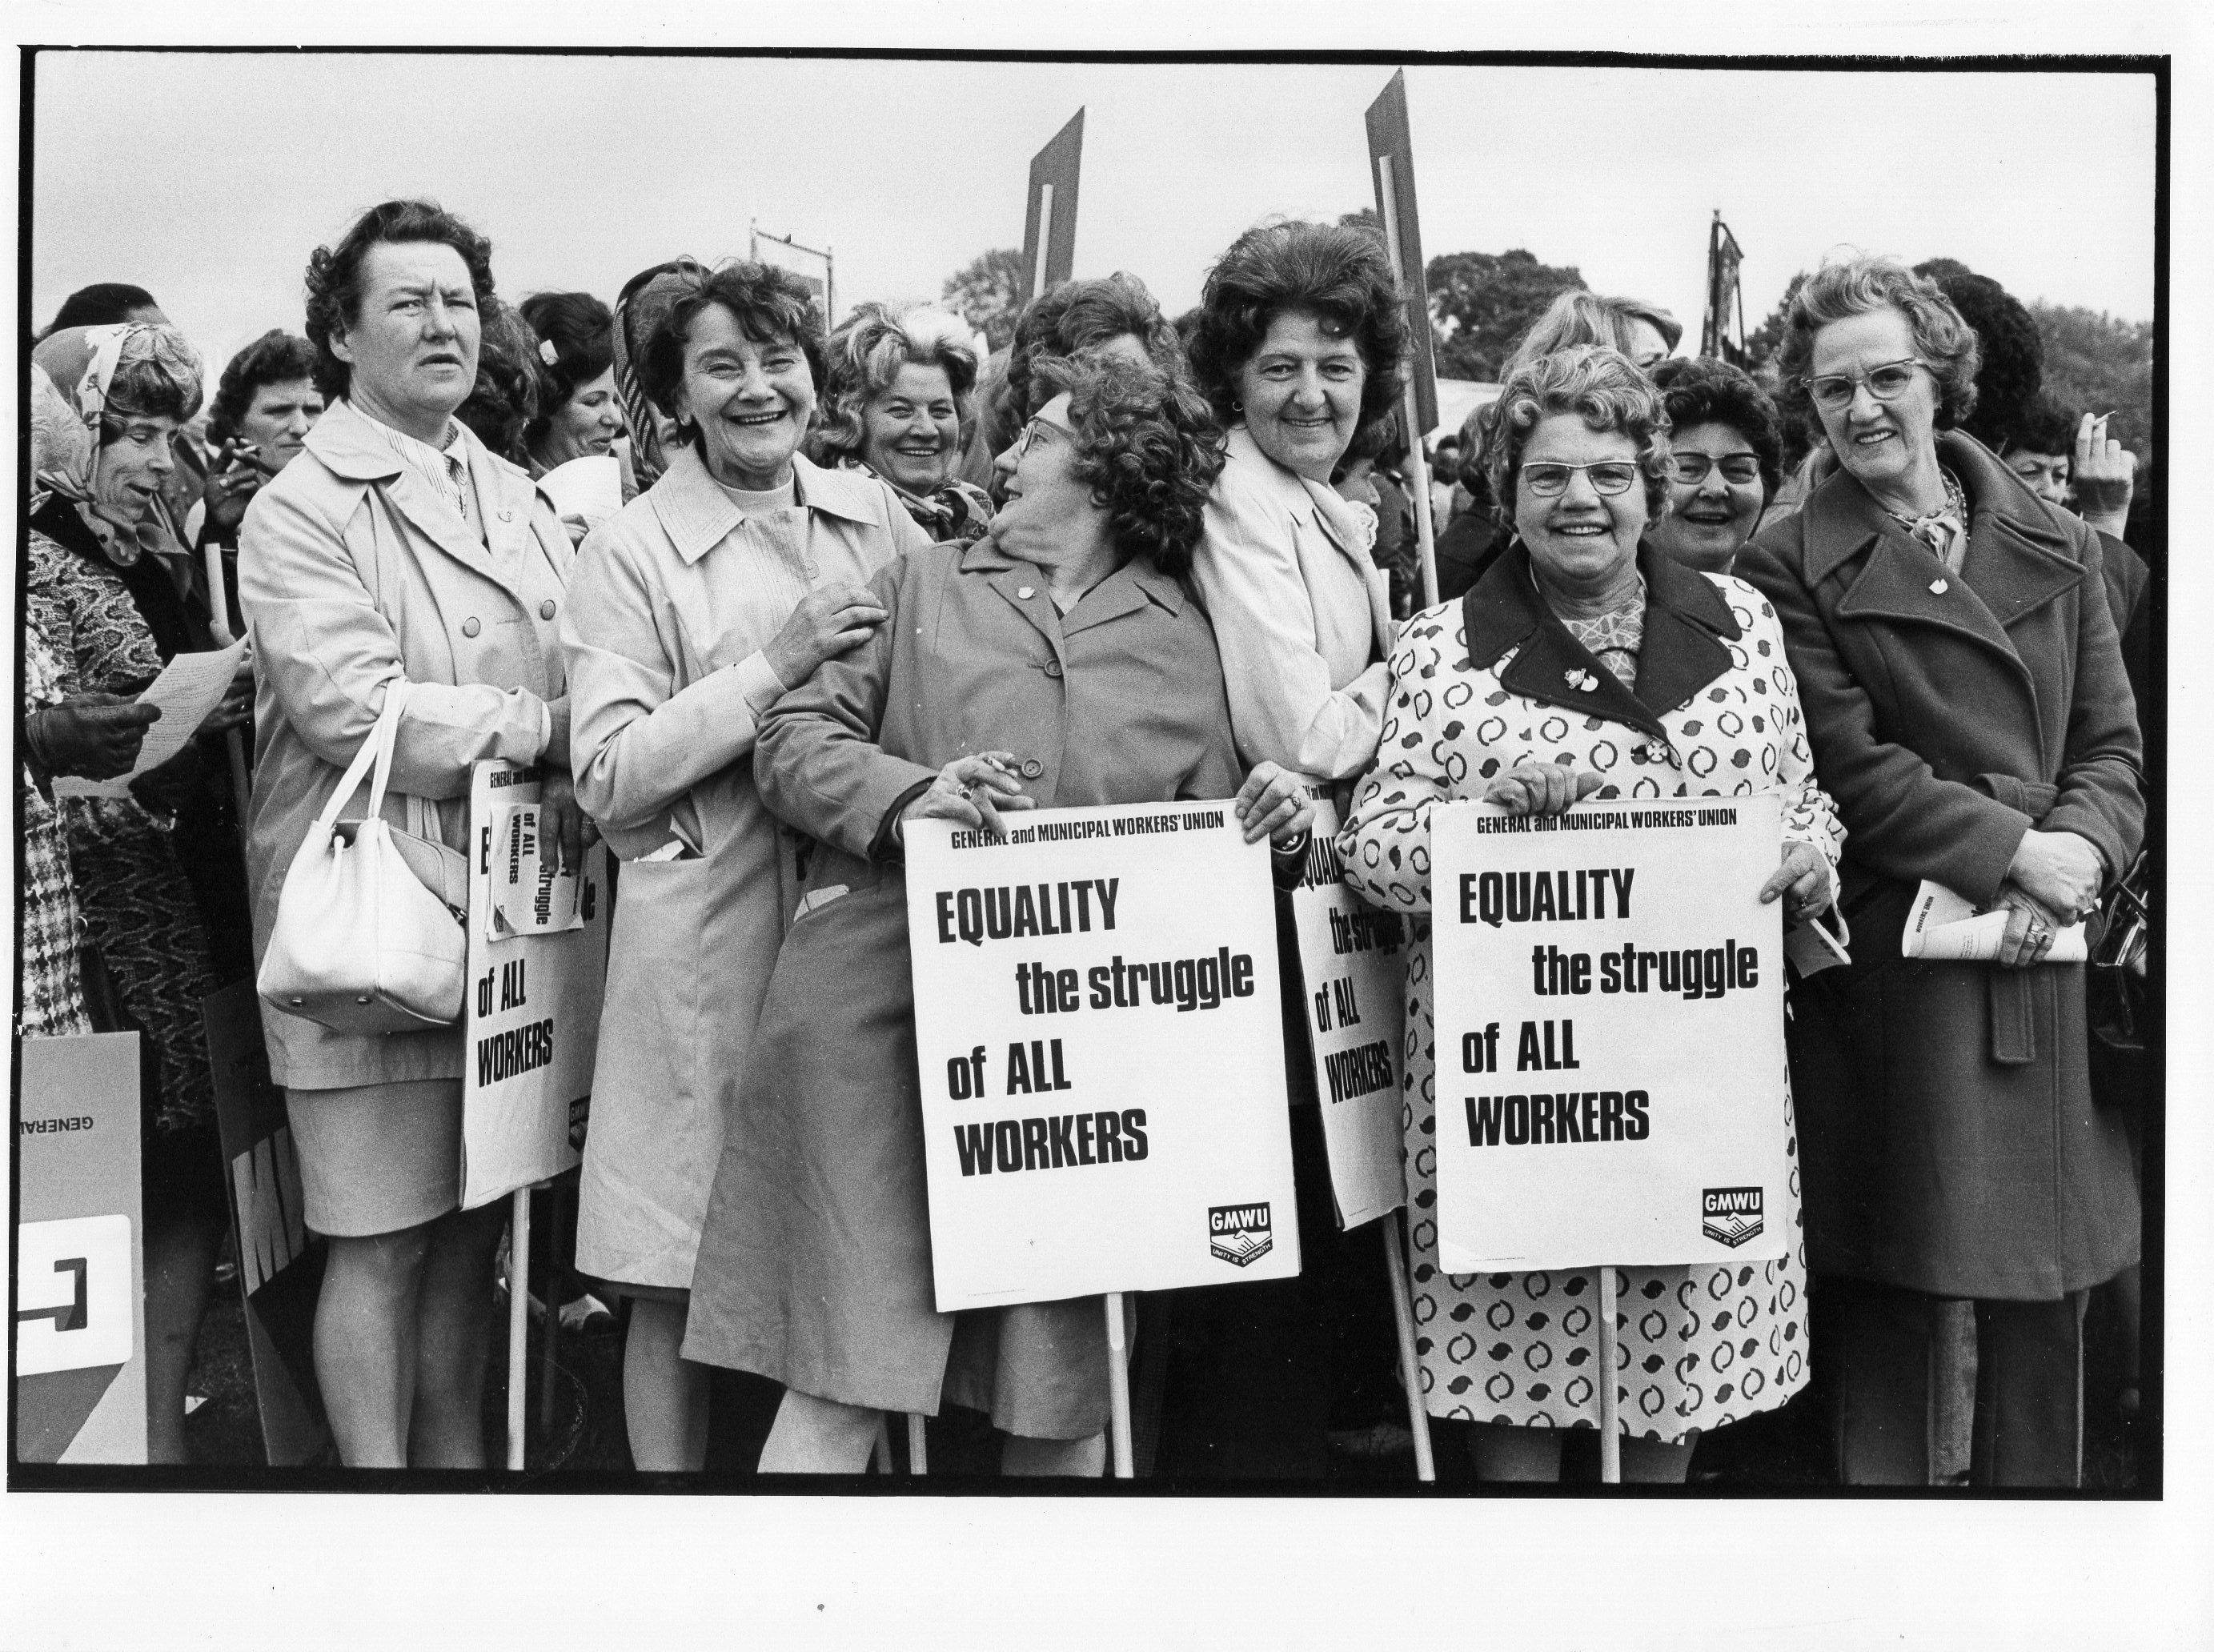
1730 1215
1239 1233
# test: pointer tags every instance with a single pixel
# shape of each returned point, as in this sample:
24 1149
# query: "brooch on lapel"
1582 679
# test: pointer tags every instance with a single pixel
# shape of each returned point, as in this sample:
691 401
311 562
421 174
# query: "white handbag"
360 944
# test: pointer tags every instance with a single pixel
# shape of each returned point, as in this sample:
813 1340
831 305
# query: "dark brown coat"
1945 1109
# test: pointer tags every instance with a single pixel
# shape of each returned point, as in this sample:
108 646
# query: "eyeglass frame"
1855 381
1708 464
1522 473
1028 432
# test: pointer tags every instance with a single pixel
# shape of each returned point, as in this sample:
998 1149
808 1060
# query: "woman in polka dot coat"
1586 662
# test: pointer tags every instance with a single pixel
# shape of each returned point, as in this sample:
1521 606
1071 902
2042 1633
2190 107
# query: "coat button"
507 515
1032 768
471 626
546 609
1053 668
814 568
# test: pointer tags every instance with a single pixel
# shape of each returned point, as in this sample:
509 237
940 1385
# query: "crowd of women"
865 578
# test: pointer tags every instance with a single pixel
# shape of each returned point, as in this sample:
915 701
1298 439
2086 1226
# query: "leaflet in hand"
1945 928
589 488
190 687
530 895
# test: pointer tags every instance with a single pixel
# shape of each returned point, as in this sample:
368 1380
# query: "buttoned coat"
352 572
815 1267
1478 686
1302 612
1951 1145
676 597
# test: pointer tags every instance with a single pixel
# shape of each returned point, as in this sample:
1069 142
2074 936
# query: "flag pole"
518 1322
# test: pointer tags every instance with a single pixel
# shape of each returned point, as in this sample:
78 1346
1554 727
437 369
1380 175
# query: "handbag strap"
375 754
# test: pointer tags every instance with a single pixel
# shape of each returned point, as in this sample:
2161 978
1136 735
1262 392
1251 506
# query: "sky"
208 178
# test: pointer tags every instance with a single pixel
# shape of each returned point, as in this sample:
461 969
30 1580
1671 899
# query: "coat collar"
346 440
2019 557
697 515
1129 589
1688 627
1300 498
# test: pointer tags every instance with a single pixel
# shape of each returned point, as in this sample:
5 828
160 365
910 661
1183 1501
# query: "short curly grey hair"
1860 285
1601 387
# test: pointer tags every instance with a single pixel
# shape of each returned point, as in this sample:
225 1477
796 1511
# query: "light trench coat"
676 596
352 572
1302 613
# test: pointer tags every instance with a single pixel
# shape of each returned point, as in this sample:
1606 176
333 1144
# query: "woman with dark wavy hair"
258 421
899 402
580 414
1726 445
1301 343
1058 662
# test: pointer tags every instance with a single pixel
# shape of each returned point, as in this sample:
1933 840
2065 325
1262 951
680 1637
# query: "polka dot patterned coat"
1477 687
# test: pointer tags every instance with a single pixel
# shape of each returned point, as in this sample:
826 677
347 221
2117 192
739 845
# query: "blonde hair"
1601 387
864 356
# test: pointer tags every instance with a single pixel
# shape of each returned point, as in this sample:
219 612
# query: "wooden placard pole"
1410 1371
518 1323
220 625
1392 153
918 1449
1118 1389
1610 1423
880 1455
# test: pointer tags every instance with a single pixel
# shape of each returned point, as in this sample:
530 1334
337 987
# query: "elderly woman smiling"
899 400
1585 660
1057 662
729 580
1967 700
1726 449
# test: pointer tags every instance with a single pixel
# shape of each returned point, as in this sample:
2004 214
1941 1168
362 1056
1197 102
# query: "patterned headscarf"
646 298
79 365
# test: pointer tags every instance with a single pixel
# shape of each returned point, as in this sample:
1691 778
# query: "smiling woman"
899 402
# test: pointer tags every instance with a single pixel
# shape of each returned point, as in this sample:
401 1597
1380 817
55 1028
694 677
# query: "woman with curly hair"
1969 704
1725 444
263 408
1301 344
1594 663
1060 661
899 401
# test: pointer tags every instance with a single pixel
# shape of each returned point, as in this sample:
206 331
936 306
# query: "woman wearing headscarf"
1968 706
696 606
395 548
106 402
1058 662
898 401
645 297
1587 661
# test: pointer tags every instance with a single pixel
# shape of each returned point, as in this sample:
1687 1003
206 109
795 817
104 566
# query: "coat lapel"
1011 579
1686 621
1330 511
344 440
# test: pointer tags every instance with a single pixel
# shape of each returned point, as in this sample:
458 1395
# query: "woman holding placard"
1301 344
1967 700
1058 662
1586 662
729 580
395 547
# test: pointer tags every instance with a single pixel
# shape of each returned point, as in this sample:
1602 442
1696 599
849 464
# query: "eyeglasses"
1739 469
1547 479
1029 434
1884 382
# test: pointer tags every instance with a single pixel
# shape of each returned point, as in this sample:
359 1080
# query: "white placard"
189 688
532 1018
73 1289
1353 960
1609 1023
1100 1041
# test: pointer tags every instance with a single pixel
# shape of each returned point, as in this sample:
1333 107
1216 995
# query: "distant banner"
1101 1051
1354 960
538 956
1610 1026
80 1276
280 1264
